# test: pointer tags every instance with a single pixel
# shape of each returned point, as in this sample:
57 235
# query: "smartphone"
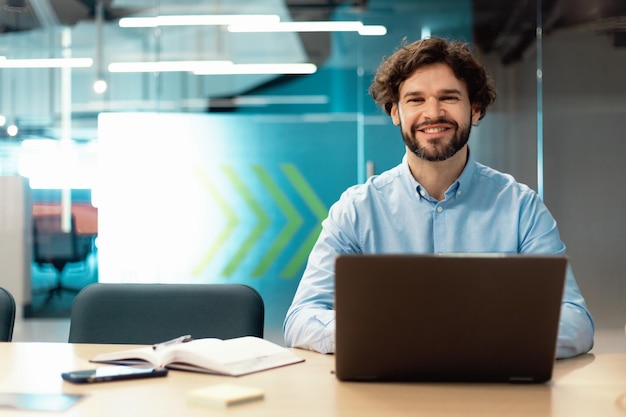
112 373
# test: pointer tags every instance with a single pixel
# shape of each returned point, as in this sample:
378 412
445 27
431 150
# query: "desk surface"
585 386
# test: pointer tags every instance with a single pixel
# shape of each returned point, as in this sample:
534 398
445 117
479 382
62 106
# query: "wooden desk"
585 386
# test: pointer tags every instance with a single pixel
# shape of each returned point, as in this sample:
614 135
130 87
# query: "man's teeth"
435 130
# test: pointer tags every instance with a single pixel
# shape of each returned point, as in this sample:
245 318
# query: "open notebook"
481 318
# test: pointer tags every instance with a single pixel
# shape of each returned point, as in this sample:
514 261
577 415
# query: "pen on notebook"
182 339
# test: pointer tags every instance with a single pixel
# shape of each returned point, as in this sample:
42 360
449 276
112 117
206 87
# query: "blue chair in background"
58 248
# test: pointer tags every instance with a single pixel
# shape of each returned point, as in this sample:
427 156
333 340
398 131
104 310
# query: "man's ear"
395 114
476 112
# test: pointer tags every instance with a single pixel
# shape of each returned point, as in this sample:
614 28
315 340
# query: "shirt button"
422 193
439 209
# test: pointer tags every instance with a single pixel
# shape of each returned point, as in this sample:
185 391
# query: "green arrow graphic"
294 221
316 206
231 222
262 224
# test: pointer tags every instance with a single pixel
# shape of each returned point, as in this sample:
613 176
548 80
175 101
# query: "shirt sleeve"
310 321
576 326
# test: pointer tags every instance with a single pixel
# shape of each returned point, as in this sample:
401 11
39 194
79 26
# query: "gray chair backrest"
128 313
7 315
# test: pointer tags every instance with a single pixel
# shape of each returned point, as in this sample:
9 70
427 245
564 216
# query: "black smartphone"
112 373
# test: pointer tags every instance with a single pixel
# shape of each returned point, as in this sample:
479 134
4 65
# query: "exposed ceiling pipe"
45 13
519 32
15 6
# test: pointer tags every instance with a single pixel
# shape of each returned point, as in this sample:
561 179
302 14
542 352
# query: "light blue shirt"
484 211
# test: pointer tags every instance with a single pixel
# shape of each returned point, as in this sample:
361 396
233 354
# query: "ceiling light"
212 67
197 20
339 26
236 69
100 86
165 66
12 130
373 30
46 63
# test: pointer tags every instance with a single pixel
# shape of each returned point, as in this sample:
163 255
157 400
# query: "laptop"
464 318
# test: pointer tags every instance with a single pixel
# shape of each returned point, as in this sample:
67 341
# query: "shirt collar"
458 187
464 182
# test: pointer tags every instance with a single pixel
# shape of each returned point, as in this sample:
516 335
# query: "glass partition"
275 145
219 143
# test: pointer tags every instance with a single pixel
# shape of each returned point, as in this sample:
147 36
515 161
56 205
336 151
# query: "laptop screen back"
486 318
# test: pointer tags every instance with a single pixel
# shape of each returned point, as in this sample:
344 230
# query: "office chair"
56 247
129 313
7 315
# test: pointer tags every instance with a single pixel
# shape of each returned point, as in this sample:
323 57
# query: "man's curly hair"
408 58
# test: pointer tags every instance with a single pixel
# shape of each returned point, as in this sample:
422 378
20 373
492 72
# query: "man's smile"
434 129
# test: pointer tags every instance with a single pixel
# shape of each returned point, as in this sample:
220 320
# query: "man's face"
434 113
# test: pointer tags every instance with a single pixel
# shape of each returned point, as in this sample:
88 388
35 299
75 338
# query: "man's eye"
450 99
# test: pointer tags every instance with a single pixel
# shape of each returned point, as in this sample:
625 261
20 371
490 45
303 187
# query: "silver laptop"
465 318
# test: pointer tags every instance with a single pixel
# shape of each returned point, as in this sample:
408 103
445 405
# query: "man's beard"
441 151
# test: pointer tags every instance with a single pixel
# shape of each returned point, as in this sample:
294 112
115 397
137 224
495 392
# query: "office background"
224 178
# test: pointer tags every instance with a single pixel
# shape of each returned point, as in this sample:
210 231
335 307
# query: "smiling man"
437 200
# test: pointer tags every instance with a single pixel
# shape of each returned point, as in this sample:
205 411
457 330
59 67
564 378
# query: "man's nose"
433 109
